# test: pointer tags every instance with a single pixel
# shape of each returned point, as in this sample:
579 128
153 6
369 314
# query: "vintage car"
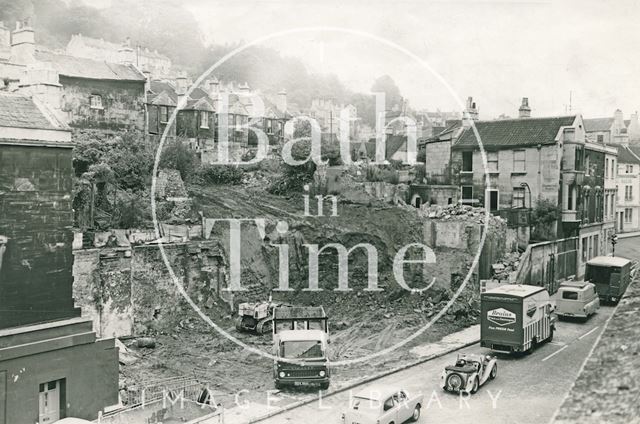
383 405
469 373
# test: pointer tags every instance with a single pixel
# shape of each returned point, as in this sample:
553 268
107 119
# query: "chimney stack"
470 113
126 54
23 43
213 87
181 86
525 110
282 101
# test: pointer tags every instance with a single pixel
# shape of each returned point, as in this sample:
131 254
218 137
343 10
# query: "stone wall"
126 291
122 103
36 217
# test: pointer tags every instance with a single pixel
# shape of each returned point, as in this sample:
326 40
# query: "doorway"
493 200
49 401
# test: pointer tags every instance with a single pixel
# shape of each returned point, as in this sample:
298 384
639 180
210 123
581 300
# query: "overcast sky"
495 51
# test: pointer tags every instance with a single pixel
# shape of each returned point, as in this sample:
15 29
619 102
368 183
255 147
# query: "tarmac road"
528 389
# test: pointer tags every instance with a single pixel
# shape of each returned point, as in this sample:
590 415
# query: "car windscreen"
570 295
302 349
362 404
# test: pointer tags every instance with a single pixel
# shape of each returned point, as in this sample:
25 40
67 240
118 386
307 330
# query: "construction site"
129 293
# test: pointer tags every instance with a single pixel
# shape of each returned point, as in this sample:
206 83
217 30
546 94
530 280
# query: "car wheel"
476 385
416 413
494 372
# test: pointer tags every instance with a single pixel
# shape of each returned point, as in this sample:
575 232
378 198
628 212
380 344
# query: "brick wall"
36 216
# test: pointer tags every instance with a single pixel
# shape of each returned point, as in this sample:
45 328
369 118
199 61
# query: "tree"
385 84
177 155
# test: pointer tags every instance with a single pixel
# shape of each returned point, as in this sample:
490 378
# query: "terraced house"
530 160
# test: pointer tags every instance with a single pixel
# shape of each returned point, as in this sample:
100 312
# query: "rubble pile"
503 269
458 212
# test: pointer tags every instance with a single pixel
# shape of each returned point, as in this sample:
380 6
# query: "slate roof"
514 132
598 124
626 155
635 149
77 67
19 111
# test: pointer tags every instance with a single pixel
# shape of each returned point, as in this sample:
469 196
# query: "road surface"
528 389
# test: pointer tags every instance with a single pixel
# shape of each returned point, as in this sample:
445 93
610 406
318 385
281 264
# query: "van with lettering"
611 275
515 318
577 299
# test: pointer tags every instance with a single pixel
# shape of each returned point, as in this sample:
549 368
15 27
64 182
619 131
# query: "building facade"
628 191
51 363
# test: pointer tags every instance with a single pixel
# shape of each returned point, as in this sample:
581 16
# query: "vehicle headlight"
322 373
282 374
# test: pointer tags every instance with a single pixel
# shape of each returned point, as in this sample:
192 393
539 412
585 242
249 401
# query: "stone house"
51 363
612 130
81 92
628 190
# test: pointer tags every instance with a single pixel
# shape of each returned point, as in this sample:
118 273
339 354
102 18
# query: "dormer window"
95 101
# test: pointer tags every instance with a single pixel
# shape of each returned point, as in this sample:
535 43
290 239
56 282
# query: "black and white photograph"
332 212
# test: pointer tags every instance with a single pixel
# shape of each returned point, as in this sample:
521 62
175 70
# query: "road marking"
588 332
557 343
555 353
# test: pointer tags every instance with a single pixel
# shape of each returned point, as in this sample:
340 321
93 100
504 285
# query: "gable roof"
20 111
77 67
515 132
626 155
598 124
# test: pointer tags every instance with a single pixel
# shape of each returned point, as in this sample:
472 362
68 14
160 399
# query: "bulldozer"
255 317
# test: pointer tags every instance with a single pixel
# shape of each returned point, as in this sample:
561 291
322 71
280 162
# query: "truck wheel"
494 372
550 339
279 386
324 386
239 324
476 385
416 413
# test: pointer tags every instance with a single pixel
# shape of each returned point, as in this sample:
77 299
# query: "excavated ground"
361 322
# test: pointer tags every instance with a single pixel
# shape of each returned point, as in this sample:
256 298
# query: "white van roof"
608 261
516 290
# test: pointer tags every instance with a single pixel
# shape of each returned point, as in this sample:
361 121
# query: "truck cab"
300 342
577 299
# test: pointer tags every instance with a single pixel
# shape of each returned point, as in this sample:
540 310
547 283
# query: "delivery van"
577 299
515 318
611 275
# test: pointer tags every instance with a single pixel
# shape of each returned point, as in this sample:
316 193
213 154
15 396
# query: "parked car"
577 299
383 405
469 373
